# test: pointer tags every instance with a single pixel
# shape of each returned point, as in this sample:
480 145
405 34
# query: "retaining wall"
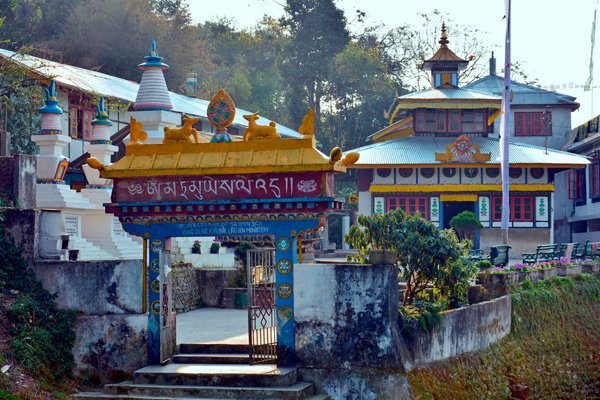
462 330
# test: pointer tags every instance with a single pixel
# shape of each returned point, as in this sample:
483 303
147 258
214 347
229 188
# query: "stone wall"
21 228
18 179
461 331
347 341
111 337
186 292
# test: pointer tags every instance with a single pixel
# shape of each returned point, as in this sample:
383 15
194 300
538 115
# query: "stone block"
358 383
346 316
110 347
94 287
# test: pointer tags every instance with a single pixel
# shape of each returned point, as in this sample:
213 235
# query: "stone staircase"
208 372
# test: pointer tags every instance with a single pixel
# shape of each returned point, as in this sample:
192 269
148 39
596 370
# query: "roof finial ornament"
444 36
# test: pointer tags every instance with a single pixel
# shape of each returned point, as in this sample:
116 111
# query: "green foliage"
552 349
483 265
422 315
466 224
19 102
242 248
375 232
430 256
42 335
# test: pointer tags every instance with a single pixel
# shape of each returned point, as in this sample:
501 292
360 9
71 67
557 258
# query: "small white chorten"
153 103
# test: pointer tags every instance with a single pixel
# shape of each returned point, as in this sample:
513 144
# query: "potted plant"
466 224
374 237
196 247
215 246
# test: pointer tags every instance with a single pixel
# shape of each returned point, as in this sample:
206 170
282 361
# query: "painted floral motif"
307 186
283 244
542 207
284 290
154 266
155 285
483 211
285 314
155 307
284 266
156 246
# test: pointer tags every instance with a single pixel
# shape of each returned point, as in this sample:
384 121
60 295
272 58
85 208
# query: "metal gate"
262 323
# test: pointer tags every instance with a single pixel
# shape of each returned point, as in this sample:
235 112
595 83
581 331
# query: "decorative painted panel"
484 208
434 210
378 205
541 208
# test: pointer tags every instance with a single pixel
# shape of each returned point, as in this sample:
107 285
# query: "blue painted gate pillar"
286 255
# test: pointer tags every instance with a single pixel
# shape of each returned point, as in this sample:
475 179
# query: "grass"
553 349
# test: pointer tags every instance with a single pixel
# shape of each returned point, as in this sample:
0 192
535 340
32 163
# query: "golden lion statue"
308 123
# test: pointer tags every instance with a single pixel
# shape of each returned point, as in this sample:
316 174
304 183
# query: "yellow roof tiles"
253 156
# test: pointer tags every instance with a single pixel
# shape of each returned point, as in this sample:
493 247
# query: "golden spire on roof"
444 37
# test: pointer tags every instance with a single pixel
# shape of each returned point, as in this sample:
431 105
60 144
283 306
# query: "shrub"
375 232
430 256
43 335
466 224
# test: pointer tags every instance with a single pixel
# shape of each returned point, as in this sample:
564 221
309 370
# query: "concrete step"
208 358
104 396
267 375
213 348
296 391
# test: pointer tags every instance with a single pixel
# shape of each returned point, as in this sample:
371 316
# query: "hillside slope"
553 350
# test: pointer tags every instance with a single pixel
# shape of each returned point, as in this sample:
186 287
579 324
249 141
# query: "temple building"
440 156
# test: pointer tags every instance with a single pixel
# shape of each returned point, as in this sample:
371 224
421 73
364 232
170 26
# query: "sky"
550 38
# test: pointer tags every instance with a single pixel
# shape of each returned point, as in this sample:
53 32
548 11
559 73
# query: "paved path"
209 325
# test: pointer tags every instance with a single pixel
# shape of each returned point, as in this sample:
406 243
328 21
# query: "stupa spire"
152 92
101 124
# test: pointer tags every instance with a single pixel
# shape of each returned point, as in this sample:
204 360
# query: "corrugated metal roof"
122 89
454 93
422 149
522 94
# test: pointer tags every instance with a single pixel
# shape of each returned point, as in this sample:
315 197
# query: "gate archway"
279 187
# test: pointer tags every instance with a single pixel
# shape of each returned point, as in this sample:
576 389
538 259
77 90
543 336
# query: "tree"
406 47
318 34
466 224
20 98
426 256
114 35
359 93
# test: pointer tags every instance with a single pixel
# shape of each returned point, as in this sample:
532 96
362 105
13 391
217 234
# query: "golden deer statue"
259 131
182 134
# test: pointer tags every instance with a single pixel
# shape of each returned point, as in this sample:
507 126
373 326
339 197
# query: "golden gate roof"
253 156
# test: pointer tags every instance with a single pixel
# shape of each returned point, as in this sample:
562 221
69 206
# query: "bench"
584 254
498 255
544 252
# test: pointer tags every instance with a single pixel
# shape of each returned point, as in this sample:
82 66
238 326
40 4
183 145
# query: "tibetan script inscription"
221 187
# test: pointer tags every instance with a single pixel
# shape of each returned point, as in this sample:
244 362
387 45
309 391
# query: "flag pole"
504 122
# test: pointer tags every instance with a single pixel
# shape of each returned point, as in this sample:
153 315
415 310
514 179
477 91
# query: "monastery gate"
262 186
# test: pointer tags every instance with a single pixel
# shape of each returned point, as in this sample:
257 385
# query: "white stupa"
153 103
98 227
